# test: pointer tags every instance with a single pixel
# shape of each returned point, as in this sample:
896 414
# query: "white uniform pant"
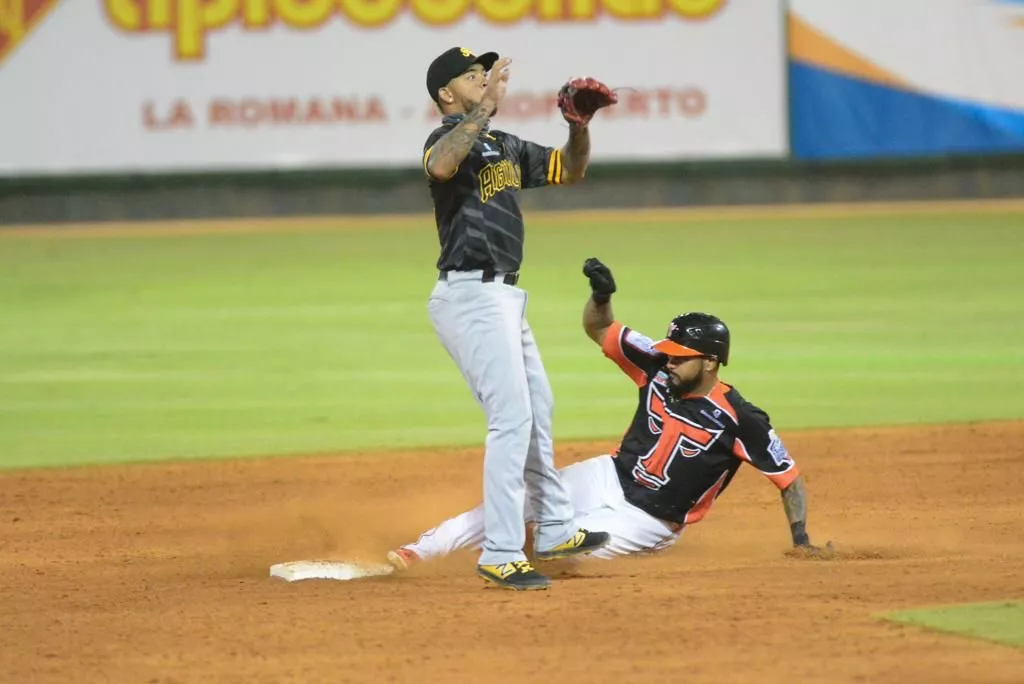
599 503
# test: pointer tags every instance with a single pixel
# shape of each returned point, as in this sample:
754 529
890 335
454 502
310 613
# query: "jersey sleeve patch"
633 352
777 450
778 467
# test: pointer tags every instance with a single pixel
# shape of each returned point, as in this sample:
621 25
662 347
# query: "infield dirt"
159 573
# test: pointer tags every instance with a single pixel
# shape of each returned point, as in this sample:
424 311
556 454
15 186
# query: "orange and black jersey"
679 455
479 223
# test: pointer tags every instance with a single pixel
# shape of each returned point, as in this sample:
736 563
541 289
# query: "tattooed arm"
576 153
794 501
448 152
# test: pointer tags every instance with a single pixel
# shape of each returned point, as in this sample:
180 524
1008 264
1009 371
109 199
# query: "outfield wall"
157 198
140 109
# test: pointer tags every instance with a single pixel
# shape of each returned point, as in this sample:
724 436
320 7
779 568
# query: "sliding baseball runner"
687 438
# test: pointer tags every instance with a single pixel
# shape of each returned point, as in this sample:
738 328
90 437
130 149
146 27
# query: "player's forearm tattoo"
597 318
452 148
794 501
576 153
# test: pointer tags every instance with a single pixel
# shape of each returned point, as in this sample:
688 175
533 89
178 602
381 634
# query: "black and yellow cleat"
580 544
518 575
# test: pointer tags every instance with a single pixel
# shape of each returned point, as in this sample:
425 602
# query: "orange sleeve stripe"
783 480
612 348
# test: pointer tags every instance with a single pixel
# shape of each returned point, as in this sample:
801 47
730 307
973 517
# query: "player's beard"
678 388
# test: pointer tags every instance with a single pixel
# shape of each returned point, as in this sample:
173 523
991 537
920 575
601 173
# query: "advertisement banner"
208 85
876 78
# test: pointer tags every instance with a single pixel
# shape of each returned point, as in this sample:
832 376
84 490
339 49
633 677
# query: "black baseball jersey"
479 223
678 456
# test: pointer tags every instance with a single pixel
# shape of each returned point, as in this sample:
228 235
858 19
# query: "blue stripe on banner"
838 116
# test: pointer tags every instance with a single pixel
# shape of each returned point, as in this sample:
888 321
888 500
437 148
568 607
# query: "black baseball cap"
455 62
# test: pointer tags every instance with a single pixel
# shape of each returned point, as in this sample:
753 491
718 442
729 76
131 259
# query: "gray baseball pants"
483 327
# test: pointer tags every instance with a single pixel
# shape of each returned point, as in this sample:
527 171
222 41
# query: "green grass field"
1001 622
157 346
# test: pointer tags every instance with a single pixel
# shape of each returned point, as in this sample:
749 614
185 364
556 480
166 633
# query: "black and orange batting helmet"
696 334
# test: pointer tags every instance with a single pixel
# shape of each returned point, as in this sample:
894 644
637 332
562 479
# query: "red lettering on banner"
634 103
314 114
522 106
375 110
664 96
219 112
693 102
663 103
178 115
252 112
284 111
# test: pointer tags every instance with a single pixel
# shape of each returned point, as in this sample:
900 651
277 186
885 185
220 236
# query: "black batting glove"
602 284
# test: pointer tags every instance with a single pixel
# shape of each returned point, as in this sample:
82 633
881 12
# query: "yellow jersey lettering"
499 176
486 183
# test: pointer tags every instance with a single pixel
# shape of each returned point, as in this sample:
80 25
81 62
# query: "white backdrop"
164 85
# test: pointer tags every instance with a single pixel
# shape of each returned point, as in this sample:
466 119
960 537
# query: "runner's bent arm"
597 318
794 501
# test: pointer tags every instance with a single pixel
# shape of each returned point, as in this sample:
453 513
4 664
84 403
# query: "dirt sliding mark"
159 573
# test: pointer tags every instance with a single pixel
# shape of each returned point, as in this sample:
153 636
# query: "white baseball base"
294 571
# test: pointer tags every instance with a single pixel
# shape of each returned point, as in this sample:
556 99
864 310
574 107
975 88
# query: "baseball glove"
581 97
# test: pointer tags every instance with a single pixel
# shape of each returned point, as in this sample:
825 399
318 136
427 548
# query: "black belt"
488 276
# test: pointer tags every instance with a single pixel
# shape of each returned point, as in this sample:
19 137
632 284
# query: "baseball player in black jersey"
478 311
689 435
